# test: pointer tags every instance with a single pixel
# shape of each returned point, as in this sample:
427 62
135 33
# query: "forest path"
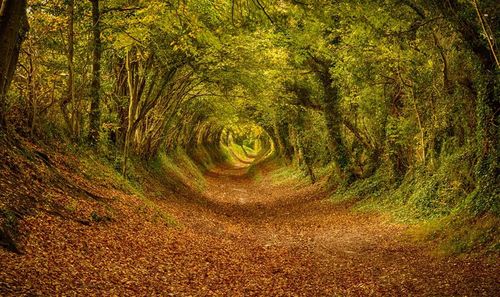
290 240
242 236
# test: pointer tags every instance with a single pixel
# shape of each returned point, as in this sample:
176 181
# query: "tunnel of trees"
385 96
391 104
398 88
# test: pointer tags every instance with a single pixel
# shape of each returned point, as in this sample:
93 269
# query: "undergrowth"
433 199
98 167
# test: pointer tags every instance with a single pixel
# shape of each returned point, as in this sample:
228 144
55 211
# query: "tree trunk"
13 26
333 118
95 112
467 19
279 146
304 154
71 119
120 92
32 93
132 109
487 131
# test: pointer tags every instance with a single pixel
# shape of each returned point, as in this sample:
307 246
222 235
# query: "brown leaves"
240 238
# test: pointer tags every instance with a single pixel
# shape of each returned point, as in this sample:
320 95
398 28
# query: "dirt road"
242 237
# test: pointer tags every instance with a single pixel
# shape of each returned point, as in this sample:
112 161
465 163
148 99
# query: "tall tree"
464 18
333 116
95 112
13 26
71 118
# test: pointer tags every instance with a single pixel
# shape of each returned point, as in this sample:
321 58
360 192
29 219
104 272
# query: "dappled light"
247 145
249 148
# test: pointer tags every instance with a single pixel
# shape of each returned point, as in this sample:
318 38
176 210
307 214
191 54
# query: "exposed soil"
241 237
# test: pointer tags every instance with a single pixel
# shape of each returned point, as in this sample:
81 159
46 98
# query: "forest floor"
241 236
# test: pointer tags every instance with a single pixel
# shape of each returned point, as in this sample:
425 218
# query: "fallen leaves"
239 238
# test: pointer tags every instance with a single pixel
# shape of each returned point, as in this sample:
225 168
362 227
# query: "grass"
461 233
98 168
432 201
289 174
178 169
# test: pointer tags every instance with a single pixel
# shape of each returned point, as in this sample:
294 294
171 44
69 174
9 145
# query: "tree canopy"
403 87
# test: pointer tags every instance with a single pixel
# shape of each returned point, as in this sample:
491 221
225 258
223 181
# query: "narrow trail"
305 245
242 237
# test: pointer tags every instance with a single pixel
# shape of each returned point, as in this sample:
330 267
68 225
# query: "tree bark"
487 131
13 28
72 118
95 112
333 118
132 109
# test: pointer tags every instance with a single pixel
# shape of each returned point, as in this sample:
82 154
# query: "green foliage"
395 98
423 193
460 233
289 175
